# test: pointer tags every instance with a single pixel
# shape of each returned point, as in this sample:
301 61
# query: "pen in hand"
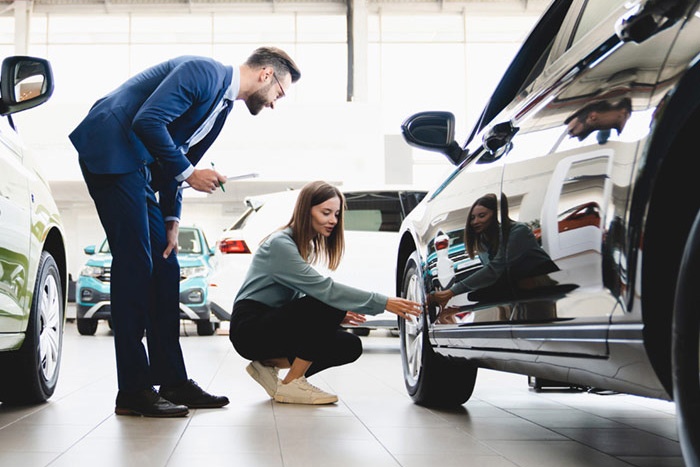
221 185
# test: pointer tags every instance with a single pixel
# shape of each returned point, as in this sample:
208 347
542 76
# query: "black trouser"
305 328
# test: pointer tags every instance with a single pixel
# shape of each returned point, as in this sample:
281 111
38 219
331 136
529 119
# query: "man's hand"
172 228
205 180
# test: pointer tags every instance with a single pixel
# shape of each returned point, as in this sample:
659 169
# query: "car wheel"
431 379
205 327
87 326
685 349
31 373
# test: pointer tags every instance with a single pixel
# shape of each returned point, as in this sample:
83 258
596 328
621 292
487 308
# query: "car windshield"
188 242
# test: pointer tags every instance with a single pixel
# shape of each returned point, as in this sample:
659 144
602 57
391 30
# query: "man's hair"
600 106
276 58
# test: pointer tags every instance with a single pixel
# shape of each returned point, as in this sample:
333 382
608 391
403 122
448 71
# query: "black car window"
373 212
526 65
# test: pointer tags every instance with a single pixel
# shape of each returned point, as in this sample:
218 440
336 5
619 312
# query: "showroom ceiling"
204 5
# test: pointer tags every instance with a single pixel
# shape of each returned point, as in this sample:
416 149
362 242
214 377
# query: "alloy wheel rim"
413 327
49 315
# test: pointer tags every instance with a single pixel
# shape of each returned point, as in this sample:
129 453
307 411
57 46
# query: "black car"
587 145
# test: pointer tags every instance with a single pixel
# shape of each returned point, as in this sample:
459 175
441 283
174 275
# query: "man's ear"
265 74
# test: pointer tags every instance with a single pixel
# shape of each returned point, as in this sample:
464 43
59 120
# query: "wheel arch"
407 245
55 245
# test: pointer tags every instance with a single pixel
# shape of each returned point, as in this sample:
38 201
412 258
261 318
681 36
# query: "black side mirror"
25 82
433 131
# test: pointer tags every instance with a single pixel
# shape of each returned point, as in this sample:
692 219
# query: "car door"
568 176
14 230
446 259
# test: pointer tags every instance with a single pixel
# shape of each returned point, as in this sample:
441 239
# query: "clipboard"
235 177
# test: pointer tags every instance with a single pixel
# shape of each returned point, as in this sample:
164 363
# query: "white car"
372 221
33 264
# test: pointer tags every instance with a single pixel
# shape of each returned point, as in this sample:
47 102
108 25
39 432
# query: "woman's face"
324 216
480 218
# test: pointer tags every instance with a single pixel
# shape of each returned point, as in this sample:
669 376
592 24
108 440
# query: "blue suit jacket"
145 120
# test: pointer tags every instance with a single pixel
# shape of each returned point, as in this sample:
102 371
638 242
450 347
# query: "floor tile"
505 423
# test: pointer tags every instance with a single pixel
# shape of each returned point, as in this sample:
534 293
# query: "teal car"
33 276
92 292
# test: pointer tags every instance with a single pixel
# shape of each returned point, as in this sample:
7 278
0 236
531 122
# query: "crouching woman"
287 315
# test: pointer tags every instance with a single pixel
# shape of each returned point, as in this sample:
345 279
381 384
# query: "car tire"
685 349
31 373
205 327
431 379
87 326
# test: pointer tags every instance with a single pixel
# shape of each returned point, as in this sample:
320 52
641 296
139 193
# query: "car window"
525 67
104 248
242 219
592 15
373 212
188 242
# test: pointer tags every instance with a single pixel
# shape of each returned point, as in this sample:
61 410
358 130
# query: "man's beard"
258 100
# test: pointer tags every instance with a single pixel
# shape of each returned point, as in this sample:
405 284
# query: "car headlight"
92 271
196 271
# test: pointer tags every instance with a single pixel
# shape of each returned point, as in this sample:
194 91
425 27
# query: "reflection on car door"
447 261
14 225
569 170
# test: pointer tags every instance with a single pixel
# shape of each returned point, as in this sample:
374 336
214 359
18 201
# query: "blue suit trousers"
144 285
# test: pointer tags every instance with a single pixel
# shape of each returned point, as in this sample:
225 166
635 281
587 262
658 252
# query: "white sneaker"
300 391
266 376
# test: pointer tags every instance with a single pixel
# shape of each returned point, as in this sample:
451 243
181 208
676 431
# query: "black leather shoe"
147 403
191 395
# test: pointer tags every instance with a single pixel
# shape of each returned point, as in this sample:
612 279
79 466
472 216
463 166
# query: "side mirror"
433 131
25 82
89 250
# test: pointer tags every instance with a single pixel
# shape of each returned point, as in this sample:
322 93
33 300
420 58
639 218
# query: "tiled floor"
374 424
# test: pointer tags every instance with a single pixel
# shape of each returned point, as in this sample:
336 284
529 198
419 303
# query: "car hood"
189 261
101 260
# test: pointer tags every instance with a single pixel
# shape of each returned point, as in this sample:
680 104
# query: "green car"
92 291
33 272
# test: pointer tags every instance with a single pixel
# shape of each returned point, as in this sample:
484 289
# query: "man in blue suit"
142 139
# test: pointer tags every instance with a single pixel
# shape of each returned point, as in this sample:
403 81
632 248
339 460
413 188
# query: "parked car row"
33 272
372 221
585 143
194 254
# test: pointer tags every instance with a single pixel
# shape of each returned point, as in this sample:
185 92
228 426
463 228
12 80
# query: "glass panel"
316 28
423 28
186 29
101 29
254 29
